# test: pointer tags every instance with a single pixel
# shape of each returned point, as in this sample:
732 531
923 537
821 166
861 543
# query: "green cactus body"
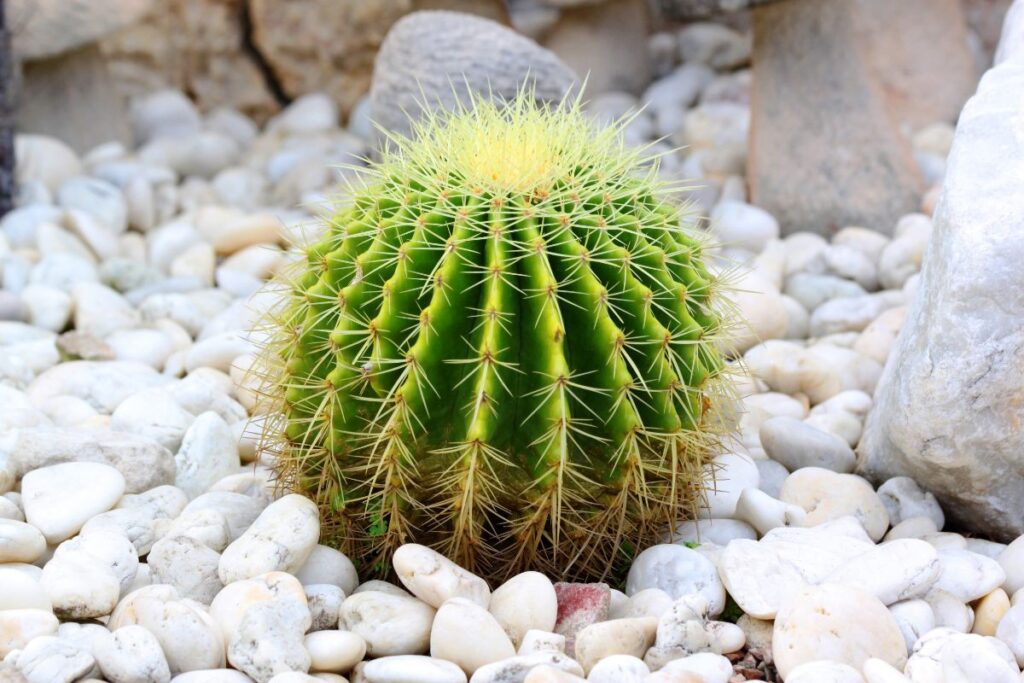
504 347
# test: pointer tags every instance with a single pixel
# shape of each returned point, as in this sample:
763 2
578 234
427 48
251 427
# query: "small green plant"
505 347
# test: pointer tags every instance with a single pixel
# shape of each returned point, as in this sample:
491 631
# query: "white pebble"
18 627
618 669
187 634
20 542
541 641
186 564
281 539
131 655
678 571
460 621
48 659
824 672
327 565
411 669
826 496
525 602
968 576
334 651
433 578
208 452
58 504
390 624
632 636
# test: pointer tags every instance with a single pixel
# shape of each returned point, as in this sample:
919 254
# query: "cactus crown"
504 346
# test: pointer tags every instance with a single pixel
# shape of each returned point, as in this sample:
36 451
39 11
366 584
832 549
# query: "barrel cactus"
504 346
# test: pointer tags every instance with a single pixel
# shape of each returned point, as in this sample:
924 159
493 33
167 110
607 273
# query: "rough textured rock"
949 406
607 42
195 46
843 161
447 55
920 53
50 27
57 42
339 41
82 75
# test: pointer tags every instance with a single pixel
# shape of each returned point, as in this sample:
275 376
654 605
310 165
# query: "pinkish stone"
579 606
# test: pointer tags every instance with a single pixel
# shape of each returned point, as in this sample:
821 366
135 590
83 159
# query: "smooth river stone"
20 542
19 626
615 637
898 570
760 575
433 578
390 624
968 576
837 623
826 496
281 539
796 444
21 590
410 669
678 571
525 602
460 621
60 499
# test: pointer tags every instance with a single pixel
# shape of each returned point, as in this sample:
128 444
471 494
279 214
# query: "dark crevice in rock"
249 47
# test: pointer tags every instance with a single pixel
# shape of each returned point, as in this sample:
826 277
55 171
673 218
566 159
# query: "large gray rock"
439 57
949 408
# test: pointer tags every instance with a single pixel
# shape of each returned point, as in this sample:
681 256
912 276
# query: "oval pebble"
280 539
390 624
433 578
334 651
59 505
411 669
678 571
20 542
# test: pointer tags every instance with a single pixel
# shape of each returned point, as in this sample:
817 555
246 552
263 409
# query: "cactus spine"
504 346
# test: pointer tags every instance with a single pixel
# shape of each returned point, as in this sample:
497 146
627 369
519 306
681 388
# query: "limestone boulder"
950 404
